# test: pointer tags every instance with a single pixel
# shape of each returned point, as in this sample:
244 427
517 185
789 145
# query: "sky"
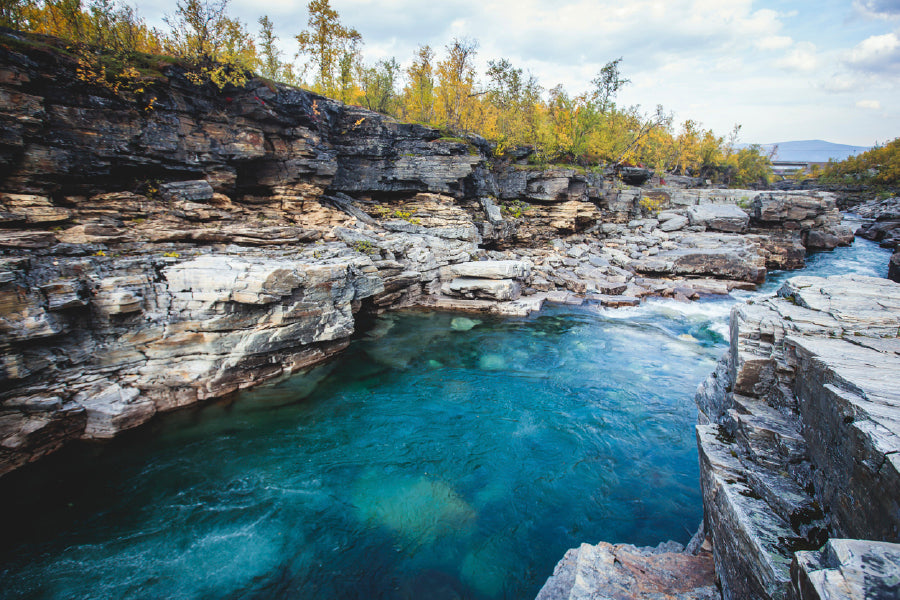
783 70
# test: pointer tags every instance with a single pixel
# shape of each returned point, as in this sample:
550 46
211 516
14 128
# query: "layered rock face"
96 346
799 437
153 254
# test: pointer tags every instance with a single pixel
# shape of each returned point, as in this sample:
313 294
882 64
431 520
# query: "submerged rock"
419 511
463 323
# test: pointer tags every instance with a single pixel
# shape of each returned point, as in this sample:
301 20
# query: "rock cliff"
168 245
159 254
798 437
884 228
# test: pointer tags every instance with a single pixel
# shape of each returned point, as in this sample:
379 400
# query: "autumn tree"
63 18
219 47
607 85
329 46
516 97
17 14
269 54
378 85
573 122
749 167
880 166
456 84
196 28
418 96
642 132
348 65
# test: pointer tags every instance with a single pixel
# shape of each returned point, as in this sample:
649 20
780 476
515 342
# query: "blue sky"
823 69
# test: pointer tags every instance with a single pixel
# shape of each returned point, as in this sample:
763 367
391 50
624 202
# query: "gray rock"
719 217
491 289
493 269
674 224
597 261
190 191
668 215
113 409
853 569
626 572
491 210
799 429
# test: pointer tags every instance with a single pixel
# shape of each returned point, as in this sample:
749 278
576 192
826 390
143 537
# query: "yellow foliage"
880 165
508 107
652 204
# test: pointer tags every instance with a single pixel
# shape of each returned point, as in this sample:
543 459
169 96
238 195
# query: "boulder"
114 409
491 289
674 224
634 175
493 269
707 262
626 572
719 217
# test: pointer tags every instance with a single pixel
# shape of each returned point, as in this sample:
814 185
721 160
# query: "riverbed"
441 456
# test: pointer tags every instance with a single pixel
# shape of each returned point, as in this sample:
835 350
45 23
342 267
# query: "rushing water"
441 456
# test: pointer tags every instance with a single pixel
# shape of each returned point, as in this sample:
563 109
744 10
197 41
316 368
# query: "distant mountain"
811 151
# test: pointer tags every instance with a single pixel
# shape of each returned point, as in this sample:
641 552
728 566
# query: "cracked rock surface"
799 430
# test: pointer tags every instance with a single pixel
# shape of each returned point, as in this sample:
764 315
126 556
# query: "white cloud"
802 57
840 83
869 104
775 42
878 53
878 9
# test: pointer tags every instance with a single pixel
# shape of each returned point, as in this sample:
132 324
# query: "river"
440 456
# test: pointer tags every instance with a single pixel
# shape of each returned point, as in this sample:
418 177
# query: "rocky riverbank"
156 257
798 435
153 256
884 228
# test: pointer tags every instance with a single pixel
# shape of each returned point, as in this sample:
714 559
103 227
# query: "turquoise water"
441 456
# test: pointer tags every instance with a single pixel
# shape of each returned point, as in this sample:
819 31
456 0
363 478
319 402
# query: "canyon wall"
799 436
162 247
154 254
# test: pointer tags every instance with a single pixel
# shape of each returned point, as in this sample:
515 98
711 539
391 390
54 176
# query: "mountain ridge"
810 150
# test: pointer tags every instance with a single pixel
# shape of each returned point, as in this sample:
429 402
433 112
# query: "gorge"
155 259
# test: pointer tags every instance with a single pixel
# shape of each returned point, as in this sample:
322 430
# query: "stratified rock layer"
96 346
799 429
